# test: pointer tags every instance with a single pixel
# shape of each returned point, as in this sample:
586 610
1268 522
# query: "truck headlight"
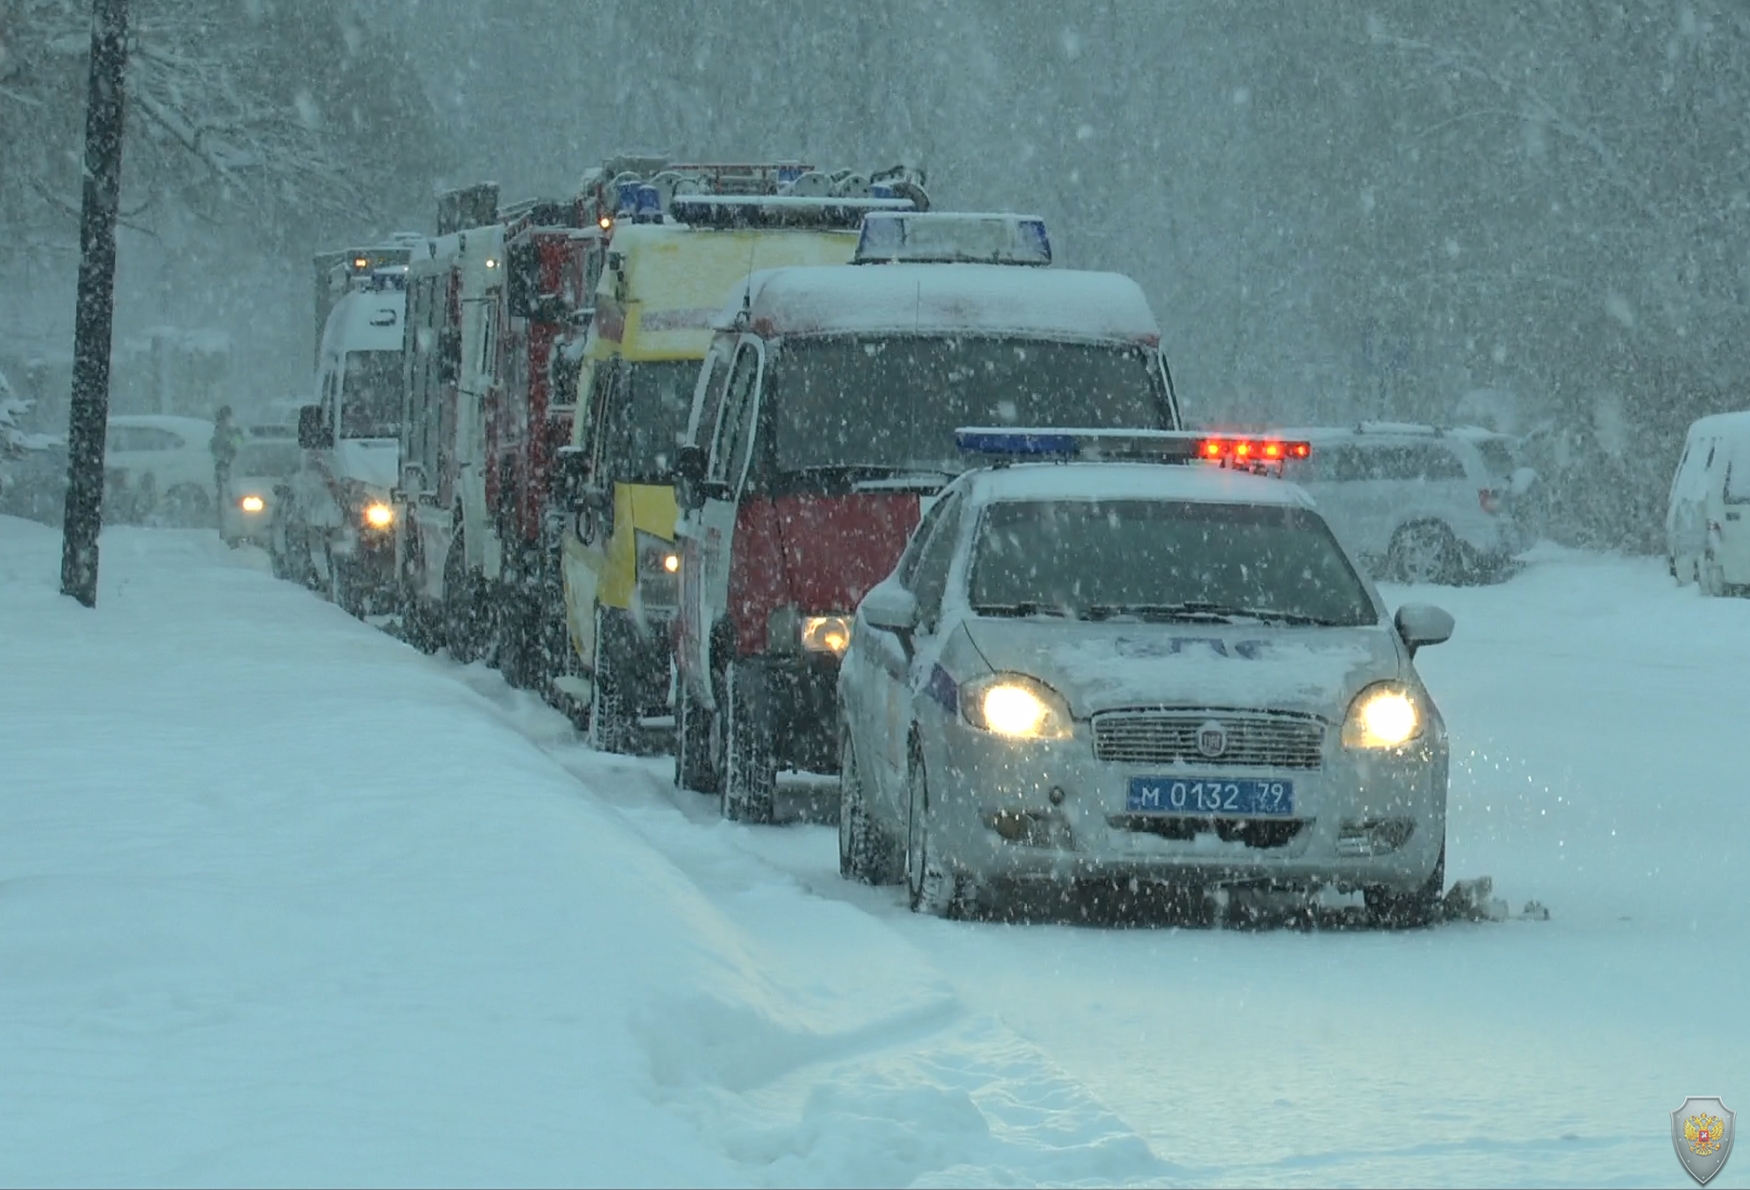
826 634
378 515
656 557
1385 715
1015 706
252 503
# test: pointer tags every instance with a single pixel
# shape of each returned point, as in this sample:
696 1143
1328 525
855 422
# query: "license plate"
1215 796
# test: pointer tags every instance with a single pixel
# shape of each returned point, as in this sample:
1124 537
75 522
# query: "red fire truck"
498 306
496 301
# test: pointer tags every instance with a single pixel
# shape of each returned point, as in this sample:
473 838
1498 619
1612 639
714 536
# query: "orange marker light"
1211 449
1272 450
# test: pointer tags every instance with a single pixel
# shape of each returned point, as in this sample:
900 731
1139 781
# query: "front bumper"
801 699
1052 811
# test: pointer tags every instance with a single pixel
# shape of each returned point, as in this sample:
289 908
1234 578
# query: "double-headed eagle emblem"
1702 1134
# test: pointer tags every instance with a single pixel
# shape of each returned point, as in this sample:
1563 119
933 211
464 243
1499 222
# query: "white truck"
333 525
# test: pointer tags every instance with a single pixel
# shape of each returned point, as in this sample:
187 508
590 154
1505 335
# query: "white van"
1707 528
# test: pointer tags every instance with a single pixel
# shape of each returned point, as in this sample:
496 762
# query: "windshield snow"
895 401
1163 559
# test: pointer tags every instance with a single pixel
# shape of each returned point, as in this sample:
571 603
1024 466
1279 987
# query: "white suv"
1421 504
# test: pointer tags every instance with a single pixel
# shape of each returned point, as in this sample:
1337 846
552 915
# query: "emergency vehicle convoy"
824 423
1091 665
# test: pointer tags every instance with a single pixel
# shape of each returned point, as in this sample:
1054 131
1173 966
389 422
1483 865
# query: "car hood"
1104 666
375 462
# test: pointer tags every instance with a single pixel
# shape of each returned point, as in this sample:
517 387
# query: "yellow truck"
664 284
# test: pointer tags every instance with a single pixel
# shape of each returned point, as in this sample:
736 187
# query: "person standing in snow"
227 439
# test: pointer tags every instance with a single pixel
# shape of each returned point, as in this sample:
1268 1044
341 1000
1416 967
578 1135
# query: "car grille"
1170 737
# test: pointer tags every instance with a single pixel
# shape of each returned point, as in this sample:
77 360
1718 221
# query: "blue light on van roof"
1017 443
953 237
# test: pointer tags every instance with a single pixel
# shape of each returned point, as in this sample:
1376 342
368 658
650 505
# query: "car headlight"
826 634
378 515
252 503
1015 706
1385 715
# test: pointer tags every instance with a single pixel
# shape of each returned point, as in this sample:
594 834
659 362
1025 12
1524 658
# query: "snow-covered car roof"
944 298
1201 482
1721 422
193 428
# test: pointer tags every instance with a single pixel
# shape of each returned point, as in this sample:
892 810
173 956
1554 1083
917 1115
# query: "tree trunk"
87 422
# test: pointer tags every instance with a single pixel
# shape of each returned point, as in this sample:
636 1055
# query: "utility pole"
88 421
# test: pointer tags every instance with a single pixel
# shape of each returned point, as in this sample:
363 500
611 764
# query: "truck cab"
333 528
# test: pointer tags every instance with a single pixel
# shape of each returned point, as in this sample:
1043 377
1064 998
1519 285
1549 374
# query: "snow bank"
246 941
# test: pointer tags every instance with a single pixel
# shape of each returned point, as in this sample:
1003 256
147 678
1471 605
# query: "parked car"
1137 671
158 469
1707 535
1419 503
259 475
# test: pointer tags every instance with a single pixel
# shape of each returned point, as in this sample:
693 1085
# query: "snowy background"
1338 210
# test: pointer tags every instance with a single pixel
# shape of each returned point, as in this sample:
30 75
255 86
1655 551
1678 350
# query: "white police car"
1118 669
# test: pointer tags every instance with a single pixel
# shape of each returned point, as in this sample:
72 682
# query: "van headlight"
1385 715
378 515
1015 706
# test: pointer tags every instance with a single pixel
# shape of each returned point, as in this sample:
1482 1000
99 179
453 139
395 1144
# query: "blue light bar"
953 237
1242 452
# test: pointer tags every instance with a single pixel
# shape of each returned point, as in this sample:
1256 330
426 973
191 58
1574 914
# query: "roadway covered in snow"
284 901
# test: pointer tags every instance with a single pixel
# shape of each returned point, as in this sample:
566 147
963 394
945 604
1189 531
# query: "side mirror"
1422 624
314 432
570 476
891 608
689 464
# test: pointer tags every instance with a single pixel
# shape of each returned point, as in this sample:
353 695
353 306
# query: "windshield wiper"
1200 611
1020 610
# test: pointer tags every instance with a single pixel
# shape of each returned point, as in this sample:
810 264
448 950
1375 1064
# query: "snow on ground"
282 901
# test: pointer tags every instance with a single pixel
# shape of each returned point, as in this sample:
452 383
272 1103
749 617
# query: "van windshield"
644 425
893 402
370 397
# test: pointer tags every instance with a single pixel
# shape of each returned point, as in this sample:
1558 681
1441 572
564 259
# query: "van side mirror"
570 476
891 608
689 464
1423 624
314 432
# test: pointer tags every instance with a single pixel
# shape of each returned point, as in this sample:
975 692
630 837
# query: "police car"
1088 665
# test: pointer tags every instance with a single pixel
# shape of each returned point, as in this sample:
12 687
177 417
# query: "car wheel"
467 617
611 723
749 771
186 506
692 744
1425 552
1411 910
932 885
865 852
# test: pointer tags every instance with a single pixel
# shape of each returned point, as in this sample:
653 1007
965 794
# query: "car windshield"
267 459
643 427
1163 559
894 402
370 401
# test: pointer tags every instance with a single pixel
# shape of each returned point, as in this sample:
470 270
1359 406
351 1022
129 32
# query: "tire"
866 854
467 617
749 771
1411 910
932 884
1424 552
612 718
186 506
692 744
